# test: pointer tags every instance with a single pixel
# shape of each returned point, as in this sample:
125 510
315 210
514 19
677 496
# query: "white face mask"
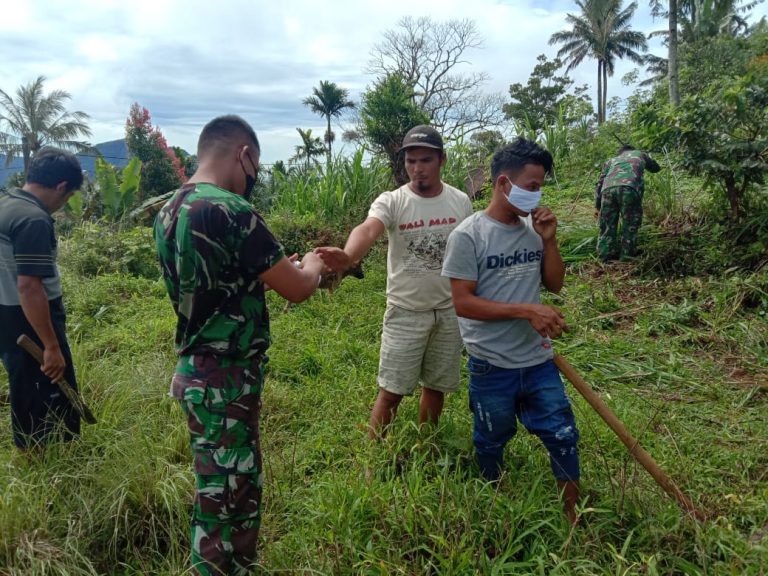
523 200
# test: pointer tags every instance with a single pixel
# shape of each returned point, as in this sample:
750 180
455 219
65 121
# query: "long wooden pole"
74 398
629 441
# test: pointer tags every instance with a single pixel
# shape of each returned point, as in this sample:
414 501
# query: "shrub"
93 249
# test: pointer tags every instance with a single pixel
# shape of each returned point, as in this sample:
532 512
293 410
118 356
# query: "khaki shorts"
417 346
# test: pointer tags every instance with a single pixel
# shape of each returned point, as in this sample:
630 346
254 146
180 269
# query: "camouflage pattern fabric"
619 194
626 170
212 247
222 404
627 203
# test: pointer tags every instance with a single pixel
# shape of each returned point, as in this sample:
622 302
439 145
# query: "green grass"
683 361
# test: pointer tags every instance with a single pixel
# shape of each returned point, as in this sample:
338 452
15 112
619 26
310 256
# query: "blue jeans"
535 395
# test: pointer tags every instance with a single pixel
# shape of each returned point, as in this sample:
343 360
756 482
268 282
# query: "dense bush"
93 249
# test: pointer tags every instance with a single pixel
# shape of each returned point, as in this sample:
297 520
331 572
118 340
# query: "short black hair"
626 148
515 156
229 129
52 166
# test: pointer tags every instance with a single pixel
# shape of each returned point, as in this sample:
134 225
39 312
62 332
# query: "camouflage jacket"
212 247
626 169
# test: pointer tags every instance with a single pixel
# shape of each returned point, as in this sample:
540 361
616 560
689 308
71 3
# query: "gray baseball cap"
422 136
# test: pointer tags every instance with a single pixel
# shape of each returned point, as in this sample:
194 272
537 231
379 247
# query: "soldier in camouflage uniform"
216 254
619 193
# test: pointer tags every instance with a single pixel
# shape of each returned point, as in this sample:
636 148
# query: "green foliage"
485 142
93 249
544 100
721 133
310 147
707 61
679 361
339 193
118 190
387 112
460 161
76 204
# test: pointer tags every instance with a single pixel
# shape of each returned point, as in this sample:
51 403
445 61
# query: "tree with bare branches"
429 55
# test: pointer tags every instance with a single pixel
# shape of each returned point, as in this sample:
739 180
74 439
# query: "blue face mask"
523 200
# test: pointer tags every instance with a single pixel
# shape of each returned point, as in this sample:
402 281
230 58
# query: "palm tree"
329 100
698 19
709 18
310 146
602 31
33 120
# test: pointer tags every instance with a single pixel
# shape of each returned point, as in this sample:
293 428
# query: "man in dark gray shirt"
31 300
496 261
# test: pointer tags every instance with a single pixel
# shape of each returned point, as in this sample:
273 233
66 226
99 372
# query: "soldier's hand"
313 260
53 363
547 320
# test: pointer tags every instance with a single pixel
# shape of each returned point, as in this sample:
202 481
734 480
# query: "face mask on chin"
523 200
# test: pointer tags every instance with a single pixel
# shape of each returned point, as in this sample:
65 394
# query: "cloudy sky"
188 61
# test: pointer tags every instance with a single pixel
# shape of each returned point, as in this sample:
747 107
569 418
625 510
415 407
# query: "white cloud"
190 61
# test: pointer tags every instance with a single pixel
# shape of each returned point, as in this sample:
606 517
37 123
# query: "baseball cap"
422 136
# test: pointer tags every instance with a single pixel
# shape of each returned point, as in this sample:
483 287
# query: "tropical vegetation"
675 343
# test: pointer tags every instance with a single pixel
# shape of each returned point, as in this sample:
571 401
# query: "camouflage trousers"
621 202
222 404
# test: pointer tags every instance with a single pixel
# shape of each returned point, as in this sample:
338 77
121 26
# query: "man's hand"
544 222
547 320
597 213
53 363
334 258
312 258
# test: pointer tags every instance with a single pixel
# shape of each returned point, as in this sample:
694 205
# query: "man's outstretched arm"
293 283
358 244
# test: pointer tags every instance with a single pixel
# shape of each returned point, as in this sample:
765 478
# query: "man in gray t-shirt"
31 301
496 261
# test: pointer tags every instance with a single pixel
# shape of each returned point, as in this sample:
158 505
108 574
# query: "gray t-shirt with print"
505 261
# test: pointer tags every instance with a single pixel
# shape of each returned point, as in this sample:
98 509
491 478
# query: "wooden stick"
629 441
74 398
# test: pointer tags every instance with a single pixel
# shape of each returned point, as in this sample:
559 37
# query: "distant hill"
115 152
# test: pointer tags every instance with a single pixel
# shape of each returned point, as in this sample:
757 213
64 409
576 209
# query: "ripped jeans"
535 395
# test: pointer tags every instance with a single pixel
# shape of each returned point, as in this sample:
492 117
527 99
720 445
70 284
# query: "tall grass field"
681 359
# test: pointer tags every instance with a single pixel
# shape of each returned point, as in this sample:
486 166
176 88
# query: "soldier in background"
619 192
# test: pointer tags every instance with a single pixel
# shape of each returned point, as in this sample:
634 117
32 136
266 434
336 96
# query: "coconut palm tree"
698 19
33 120
709 18
310 146
329 100
602 31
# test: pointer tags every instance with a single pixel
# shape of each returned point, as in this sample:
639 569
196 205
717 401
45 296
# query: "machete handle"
74 398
